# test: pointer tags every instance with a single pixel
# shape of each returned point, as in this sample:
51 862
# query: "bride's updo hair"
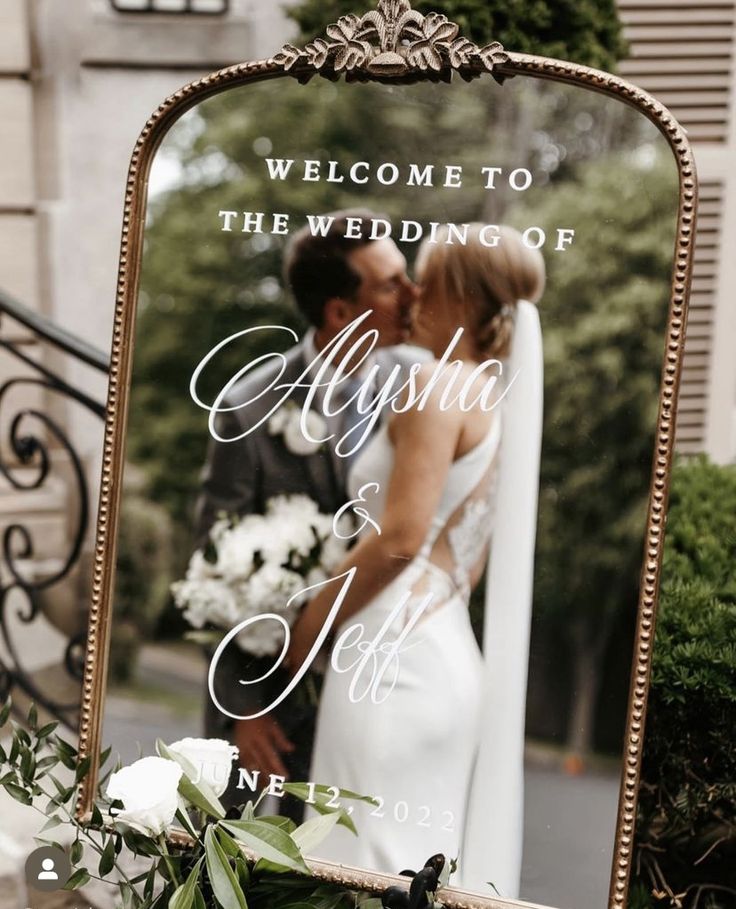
485 281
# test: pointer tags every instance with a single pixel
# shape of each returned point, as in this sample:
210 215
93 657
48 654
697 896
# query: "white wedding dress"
410 739
445 751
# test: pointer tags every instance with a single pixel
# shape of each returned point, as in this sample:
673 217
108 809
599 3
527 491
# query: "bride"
418 739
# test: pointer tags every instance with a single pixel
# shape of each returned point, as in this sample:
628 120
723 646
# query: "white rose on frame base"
212 758
148 791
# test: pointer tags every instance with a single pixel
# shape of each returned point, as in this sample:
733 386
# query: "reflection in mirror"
406 709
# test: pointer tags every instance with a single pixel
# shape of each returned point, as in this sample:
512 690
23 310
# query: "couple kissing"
436 473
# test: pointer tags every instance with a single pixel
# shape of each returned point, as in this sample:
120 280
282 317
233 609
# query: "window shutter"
681 51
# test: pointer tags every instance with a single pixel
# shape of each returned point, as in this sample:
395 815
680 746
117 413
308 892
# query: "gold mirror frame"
395 44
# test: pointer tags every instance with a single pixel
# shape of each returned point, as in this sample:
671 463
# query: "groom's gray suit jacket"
239 478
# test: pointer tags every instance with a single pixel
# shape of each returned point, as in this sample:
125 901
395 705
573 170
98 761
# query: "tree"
585 31
603 319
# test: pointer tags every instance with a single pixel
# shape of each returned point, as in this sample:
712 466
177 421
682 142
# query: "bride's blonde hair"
486 281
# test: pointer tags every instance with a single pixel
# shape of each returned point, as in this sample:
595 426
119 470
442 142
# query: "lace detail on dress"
470 537
452 559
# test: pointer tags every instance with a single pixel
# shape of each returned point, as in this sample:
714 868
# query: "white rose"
272 586
290 519
323 525
296 440
300 539
208 600
275 542
224 609
148 791
269 590
198 567
219 529
213 759
236 549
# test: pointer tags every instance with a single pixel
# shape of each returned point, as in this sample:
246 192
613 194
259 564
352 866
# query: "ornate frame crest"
393 40
397 44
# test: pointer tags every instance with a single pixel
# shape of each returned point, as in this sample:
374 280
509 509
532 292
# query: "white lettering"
249 778
311 171
393 172
332 173
228 216
399 391
565 236
353 228
276 785
319 225
376 657
457 232
411 231
252 222
376 226
268 617
356 506
280 225
527 237
485 237
453 176
363 165
420 178
278 168
490 174
514 183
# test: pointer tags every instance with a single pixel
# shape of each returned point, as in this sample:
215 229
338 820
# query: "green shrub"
686 832
145 569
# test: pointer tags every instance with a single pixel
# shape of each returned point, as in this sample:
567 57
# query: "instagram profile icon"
47 869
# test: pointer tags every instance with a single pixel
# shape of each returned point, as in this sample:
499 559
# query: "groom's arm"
231 483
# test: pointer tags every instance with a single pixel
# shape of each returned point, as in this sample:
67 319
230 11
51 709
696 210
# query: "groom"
334 280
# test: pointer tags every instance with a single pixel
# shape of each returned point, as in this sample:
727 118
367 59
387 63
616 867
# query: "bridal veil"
493 835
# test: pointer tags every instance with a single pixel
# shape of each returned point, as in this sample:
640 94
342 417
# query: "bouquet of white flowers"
259 564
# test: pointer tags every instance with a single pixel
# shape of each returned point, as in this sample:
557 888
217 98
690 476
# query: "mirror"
363 465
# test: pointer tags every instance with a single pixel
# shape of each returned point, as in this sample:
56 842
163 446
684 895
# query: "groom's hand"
262 743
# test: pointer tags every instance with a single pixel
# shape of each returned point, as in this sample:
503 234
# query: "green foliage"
701 531
585 31
211 870
686 833
145 569
603 321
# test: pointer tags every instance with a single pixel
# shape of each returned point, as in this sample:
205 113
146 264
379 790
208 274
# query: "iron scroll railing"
36 455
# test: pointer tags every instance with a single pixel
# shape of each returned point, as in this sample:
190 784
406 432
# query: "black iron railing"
37 452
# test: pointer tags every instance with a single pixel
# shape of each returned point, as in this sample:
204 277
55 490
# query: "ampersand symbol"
356 507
